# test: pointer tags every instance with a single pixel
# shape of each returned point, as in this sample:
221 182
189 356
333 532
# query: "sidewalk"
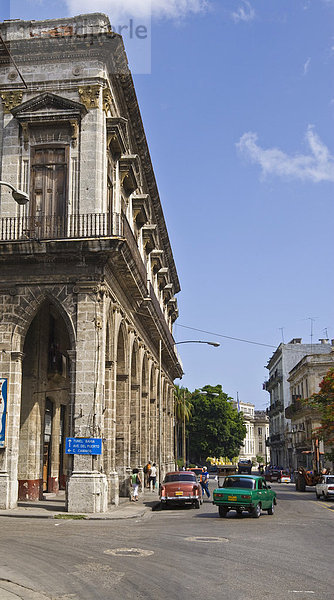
53 506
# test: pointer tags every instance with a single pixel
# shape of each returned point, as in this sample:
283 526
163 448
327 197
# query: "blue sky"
238 108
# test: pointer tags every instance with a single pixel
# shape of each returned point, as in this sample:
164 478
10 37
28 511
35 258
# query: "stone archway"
153 415
122 446
145 444
44 416
135 416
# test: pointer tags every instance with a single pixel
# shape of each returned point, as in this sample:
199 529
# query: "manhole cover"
129 552
207 540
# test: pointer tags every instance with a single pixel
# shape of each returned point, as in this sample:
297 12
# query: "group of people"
150 475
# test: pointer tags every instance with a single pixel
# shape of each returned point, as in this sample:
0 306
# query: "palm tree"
182 411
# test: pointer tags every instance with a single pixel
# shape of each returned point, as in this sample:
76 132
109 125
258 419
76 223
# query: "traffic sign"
83 445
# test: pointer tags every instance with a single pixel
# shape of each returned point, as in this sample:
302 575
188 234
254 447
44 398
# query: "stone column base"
5 501
87 493
114 488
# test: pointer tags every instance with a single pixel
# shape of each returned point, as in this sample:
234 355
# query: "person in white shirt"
153 477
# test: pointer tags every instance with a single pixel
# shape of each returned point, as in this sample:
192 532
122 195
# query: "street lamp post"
216 345
20 197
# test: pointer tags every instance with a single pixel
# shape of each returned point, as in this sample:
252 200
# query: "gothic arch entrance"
44 418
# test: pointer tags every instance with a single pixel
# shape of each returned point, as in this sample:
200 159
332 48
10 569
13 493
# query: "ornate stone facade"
88 278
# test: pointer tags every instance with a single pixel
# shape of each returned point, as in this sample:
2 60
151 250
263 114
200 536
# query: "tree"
323 402
182 413
216 428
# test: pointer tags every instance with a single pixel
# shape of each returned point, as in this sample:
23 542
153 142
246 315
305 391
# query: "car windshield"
329 480
239 482
180 477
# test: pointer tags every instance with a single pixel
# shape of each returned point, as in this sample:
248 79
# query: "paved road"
177 553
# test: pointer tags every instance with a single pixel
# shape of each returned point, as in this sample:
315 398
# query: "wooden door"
48 194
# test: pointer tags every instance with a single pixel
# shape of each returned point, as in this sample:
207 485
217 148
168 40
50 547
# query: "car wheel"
256 512
163 505
222 511
271 510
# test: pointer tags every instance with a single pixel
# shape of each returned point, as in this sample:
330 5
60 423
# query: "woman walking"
135 482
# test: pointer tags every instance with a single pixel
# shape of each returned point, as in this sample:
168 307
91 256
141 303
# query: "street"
175 553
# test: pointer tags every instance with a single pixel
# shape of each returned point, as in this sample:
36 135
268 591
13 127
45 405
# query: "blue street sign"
3 411
83 445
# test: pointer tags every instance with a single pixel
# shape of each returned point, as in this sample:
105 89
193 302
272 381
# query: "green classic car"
249 493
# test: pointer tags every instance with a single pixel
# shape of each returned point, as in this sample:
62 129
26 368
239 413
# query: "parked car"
285 477
325 488
244 466
180 487
197 470
244 493
273 475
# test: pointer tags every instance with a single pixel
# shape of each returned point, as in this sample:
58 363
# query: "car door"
264 493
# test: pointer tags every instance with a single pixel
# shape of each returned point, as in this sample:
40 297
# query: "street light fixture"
216 345
20 197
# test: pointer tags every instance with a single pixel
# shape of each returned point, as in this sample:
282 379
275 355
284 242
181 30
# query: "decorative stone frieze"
11 99
108 101
90 96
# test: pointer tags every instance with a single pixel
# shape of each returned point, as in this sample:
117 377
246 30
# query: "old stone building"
88 280
304 381
284 358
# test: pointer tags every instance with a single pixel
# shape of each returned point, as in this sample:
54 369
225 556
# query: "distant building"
304 381
248 448
261 435
285 357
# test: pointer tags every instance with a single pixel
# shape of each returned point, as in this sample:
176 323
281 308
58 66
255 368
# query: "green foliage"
216 428
323 402
259 459
182 404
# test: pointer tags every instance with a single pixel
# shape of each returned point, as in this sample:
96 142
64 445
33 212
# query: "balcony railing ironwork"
52 227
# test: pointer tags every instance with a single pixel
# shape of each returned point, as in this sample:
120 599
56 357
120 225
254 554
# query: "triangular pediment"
48 104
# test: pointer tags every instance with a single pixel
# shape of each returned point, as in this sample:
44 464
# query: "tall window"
49 181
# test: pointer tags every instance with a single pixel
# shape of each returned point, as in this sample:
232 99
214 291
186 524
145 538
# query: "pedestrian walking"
204 480
135 482
153 477
147 473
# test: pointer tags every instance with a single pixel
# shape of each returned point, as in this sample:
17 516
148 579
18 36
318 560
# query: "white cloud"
122 9
307 66
244 13
316 166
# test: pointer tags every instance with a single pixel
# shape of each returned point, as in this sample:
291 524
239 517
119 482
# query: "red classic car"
180 487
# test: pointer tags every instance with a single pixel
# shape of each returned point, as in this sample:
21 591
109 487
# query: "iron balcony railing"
52 227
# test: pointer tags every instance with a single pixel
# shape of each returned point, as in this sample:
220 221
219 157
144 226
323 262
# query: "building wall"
87 294
285 357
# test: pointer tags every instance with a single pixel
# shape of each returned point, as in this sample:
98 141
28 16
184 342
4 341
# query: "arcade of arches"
94 379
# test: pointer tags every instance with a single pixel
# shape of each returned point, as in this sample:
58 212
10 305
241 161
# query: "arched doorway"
44 416
122 454
135 428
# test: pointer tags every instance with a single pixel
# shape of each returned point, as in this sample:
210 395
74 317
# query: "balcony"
52 227
273 380
275 408
295 407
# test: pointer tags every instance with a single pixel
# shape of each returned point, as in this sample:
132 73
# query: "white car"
325 488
